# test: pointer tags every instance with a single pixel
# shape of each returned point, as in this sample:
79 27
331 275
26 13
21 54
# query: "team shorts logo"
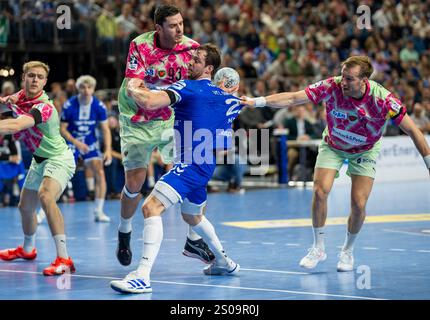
365 160
132 63
339 115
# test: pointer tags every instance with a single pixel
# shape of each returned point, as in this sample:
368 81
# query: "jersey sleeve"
319 91
396 110
45 110
135 67
182 90
101 112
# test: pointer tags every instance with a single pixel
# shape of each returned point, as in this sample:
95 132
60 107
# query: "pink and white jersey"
355 125
44 139
159 68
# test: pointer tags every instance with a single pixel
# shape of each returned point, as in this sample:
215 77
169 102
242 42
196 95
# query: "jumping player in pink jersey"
358 109
157 59
37 124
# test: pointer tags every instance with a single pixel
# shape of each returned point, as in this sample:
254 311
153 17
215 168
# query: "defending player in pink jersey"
358 110
156 59
38 126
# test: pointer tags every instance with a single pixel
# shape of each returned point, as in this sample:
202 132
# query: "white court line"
427 251
169 239
395 249
370 248
93 238
293 244
269 243
244 242
215 286
407 232
276 271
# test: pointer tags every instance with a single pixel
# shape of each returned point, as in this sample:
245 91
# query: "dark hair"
162 12
213 56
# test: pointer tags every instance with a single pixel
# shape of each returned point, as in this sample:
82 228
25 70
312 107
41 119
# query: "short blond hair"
86 79
366 68
35 64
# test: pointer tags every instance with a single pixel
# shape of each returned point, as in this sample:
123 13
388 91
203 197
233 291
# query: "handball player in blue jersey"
81 116
208 112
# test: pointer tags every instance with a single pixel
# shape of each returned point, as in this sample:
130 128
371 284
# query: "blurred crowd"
275 45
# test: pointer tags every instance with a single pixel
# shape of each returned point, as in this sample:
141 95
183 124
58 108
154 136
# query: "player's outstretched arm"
409 127
11 126
146 98
279 100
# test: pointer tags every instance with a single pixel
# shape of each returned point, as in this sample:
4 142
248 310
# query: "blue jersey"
83 119
203 121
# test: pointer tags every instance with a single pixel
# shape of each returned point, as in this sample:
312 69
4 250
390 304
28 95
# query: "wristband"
260 102
427 161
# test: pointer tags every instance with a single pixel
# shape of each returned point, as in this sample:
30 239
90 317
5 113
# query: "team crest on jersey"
132 63
162 73
150 72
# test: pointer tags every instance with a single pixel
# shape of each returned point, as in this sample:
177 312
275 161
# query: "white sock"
319 237
60 244
192 235
152 237
207 232
90 183
125 225
29 242
99 204
349 241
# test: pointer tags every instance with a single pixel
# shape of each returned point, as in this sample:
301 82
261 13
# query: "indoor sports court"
266 231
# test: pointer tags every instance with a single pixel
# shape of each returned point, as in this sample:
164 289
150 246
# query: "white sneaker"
41 215
132 283
346 261
314 256
227 267
99 216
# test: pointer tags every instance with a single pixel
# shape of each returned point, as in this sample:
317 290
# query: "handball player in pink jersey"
155 60
358 109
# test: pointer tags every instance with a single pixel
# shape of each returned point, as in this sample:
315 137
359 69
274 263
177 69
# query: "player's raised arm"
279 100
11 126
145 98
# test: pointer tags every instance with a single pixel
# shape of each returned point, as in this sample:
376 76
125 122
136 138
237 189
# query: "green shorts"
138 140
359 164
60 168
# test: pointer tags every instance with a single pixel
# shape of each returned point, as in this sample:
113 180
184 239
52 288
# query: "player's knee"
45 196
358 205
320 192
192 220
151 207
23 207
133 186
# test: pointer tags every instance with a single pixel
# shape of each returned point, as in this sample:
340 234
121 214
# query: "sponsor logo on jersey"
338 114
349 137
150 72
132 63
316 85
162 73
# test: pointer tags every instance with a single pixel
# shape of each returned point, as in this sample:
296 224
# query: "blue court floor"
266 231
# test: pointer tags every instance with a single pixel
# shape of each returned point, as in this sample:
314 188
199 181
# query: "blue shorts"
94 153
189 181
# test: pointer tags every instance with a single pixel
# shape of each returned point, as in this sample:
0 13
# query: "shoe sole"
345 270
233 272
196 256
58 274
117 289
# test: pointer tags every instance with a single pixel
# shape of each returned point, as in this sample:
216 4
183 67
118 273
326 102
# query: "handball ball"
230 76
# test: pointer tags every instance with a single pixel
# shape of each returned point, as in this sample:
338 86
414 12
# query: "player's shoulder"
145 38
189 43
71 102
378 91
